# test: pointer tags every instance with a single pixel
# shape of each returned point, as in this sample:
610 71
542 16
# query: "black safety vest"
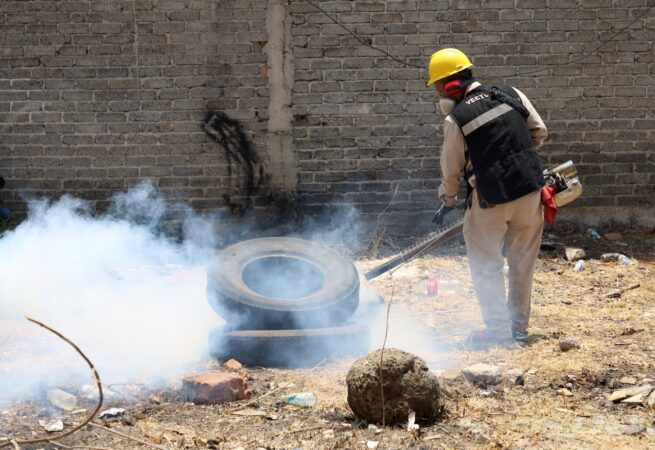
505 163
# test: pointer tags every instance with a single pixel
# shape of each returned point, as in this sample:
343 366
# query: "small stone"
628 380
622 394
375 429
483 375
635 399
567 343
565 392
574 254
214 387
516 377
613 383
634 430
570 378
233 365
650 400
52 426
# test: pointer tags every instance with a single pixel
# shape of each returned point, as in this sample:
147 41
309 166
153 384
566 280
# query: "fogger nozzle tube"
566 169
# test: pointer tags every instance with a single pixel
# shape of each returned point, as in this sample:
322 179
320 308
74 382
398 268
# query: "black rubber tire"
331 303
289 348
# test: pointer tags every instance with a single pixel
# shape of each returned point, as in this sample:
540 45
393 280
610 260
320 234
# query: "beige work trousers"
518 226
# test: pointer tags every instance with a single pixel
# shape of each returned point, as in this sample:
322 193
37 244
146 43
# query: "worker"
491 134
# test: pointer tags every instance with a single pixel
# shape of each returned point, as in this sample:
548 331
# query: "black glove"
441 213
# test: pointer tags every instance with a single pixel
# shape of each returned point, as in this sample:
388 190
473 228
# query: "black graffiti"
230 136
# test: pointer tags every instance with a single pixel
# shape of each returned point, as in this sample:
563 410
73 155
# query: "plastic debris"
305 399
579 265
436 286
411 422
111 413
618 257
593 233
90 392
62 399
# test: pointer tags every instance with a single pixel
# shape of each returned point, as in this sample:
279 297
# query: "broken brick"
233 365
214 387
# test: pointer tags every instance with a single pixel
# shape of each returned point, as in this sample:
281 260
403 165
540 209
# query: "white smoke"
133 300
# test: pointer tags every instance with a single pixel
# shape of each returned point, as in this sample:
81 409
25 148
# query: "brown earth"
562 403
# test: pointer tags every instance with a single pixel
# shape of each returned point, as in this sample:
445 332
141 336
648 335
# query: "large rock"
408 386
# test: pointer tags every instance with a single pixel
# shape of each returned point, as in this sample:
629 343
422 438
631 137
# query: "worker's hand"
440 214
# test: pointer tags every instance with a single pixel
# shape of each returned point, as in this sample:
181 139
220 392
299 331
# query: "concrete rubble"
483 375
574 254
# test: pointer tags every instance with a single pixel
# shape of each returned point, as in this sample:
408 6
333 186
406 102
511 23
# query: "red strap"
548 200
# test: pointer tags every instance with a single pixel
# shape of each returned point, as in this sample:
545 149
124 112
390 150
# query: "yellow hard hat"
445 63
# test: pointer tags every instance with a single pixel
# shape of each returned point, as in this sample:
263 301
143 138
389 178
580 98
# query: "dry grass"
616 337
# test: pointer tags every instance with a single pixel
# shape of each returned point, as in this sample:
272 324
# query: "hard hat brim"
459 69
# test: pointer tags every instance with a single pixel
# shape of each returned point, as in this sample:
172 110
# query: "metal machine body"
565 181
567 188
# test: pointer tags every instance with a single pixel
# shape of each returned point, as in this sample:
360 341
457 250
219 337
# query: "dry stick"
272 391
86 447
377 220
286 432
96 377
384 342
127 436
621 291
15 444
255 400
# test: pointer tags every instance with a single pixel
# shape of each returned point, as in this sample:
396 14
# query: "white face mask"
446 105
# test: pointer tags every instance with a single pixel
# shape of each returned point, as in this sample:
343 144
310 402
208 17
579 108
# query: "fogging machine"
562 177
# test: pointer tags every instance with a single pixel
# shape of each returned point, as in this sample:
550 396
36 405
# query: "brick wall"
366 124
89 104
96 95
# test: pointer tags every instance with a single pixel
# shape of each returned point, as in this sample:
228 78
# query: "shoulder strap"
504 97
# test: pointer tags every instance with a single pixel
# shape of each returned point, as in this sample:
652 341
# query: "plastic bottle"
579 265
306 399
436 286
624 260
618 257
62 399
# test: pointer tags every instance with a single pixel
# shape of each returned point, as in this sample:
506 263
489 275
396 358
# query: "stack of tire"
286 302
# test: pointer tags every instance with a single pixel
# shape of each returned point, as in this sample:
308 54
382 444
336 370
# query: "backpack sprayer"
562 178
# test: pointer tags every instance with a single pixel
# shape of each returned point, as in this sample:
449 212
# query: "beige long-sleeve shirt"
453 159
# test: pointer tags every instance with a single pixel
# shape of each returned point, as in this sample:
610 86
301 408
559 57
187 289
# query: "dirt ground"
562 404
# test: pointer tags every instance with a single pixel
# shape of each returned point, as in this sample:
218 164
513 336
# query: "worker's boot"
520 337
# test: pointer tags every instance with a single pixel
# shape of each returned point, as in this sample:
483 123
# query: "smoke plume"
131 298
